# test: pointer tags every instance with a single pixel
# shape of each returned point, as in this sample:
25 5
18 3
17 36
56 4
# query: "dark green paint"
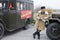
12 18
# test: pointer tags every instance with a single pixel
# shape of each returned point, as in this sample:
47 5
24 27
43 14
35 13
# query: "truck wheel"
26 23
1 30
24 28
53 31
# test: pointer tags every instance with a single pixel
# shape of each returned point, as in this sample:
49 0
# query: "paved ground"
24 35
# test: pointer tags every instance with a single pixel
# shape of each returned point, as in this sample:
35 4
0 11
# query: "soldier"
41 17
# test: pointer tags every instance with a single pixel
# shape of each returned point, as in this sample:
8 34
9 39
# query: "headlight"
46 22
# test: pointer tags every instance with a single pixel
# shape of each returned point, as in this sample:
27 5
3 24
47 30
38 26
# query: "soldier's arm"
38 15
47 15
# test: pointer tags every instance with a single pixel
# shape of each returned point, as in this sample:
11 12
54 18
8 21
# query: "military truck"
10 14
53 26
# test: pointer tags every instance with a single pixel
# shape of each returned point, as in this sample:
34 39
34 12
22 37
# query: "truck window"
0 5
28 6
25 6
5 5
31 6
12 6
20 6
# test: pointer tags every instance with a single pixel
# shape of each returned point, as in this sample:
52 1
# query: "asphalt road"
24 34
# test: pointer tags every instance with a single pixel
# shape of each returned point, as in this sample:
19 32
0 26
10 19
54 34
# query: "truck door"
20 21
9 11
12 15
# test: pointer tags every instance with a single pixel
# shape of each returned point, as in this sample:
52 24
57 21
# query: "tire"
24 28
26 23
1 30
53 31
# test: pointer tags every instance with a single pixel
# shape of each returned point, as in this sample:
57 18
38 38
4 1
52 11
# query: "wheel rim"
55 31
